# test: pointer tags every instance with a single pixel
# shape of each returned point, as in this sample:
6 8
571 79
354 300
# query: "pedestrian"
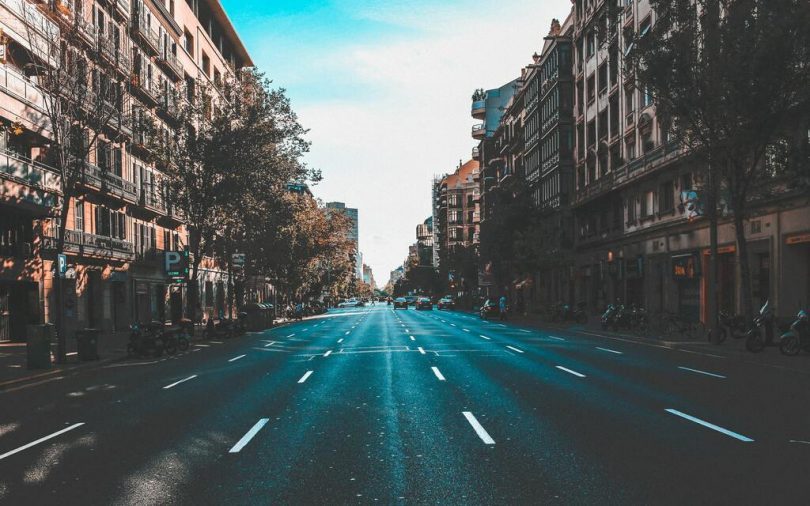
502 307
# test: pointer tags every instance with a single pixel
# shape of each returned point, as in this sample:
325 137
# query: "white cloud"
379 150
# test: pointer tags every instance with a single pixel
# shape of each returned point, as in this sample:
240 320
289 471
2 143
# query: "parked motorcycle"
798 337
762 331
566 313
144 341
609 317
735 326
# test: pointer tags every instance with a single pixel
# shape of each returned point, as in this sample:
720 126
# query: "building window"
188 42
590 44
647 200
79 216
666 197
591 88
631 210
206 64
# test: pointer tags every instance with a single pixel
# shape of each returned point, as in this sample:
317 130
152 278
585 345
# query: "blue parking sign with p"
61 261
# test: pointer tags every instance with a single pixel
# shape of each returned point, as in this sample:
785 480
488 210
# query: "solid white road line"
438 373
556 338
709 425
482 433
485 337
610 351
421 350
569 371
340 340
41 440
698 371
269 344
249 435
234 359
412 338
514 349
305 376
178 382
327 353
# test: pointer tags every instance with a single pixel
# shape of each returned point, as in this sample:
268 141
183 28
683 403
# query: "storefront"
686 272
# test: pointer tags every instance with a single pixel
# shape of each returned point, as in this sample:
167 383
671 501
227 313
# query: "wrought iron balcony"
171 64
479 109
42 183
479 131
147 34
108 183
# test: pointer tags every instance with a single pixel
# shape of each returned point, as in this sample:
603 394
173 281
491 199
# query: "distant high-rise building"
354 233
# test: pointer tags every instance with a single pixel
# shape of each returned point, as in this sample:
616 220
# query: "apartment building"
153 53
640 237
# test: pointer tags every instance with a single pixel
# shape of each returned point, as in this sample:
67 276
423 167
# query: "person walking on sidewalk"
502 307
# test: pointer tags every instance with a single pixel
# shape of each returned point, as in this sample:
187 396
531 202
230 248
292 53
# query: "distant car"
446 303
410 299
489 310
424 303
360 303
400 302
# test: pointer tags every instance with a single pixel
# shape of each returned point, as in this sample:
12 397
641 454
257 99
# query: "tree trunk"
61 337
711 281
744 268
194 292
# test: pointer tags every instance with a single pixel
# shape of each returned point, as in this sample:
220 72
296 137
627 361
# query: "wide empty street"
370 405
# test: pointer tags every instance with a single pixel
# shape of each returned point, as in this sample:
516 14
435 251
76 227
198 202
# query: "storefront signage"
798 239
685 266
176 265
722 250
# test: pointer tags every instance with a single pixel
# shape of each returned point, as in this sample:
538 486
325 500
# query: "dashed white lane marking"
291 335
421 350
610 351
178 382
407 331
41 440
216 342
327 353
698 371
482 433
305 376
438 373
203 345
269 344
340 340
709 425
485 337
347 332
569 371
501 325
526 331
234 359
249 435
412 338
466 330
453 325
72 354
514 349
556 338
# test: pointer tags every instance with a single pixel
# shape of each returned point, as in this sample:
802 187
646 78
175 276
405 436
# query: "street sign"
61 261
176 265
238 259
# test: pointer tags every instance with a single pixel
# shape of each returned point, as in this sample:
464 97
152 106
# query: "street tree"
729 82
81 73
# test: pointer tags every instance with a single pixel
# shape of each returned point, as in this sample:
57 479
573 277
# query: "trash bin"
87 344
38 345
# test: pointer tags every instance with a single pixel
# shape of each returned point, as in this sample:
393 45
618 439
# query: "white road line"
453 325
203 345
305 376
710 425
216 342
340 340
556 338
482 433
269 344
501 325
412 338
249 435
347 332
407 331
526 331
234 359
610 351
40 440
421 350
514 349
569 371
178 382
438 373
698 371
466 330
327 353
72 354
485 337
291 335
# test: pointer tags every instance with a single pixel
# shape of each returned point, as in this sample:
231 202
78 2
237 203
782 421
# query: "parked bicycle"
674 325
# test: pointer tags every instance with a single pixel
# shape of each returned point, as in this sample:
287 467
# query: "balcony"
167 105
117 57
84 243
21 88
152 202
147 87
147 34
28 14
171 64
479 131
122 7
41 184
479 109
475 153
107 183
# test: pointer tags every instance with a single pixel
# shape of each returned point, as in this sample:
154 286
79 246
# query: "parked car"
489 309
446 303
400 303
424 303
411 299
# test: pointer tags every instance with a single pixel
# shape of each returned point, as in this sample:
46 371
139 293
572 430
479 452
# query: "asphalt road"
372 405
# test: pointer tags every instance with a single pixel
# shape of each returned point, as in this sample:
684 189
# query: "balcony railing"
153 201
107 182
85 243
479 131
147 86
171 63
35 175
475 153
21 87
479 109
32 17
123 7
141 28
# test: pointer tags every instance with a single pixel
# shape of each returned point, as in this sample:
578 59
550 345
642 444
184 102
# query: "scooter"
610 316
798 337
729 325
761 332
566 313
144 342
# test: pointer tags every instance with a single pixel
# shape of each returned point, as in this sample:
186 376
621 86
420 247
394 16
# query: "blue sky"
384 88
